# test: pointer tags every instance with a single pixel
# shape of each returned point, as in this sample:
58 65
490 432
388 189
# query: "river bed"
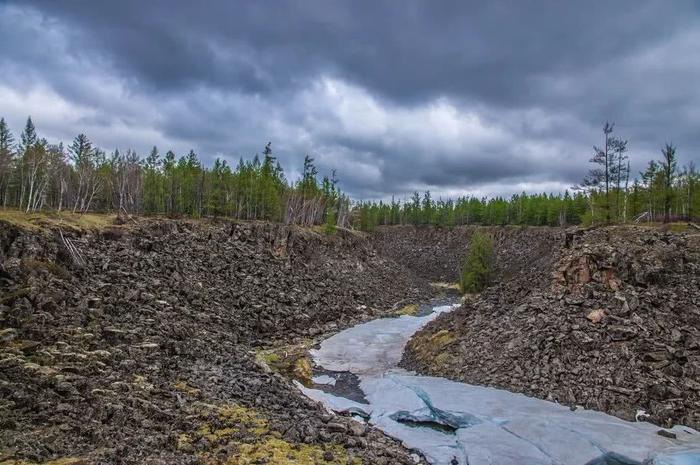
451 422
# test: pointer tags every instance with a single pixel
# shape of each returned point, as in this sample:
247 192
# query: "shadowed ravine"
447 420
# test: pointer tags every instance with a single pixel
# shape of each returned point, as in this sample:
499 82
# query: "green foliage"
153 183
535 210
35 175
669 166
368 217
477 267
7 161
329 225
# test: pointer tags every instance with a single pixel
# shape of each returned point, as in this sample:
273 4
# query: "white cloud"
336 108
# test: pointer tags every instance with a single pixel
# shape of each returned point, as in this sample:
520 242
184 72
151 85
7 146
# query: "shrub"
329 226
477 266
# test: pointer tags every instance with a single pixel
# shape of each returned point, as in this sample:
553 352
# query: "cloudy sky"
459 97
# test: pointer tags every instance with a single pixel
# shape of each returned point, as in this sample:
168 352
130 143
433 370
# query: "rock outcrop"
437 253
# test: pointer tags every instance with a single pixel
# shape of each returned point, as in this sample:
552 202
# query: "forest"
36 175
606 195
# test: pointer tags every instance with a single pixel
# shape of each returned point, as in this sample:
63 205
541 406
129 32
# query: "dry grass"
445 286
676 227
410 309
48 220
62 461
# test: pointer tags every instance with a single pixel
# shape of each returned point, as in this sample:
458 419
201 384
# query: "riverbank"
136 343
451 422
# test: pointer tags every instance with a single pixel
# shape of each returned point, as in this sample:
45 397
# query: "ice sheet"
372 347
510 428
323 379
491 426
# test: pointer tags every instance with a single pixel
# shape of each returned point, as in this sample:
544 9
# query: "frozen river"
475 425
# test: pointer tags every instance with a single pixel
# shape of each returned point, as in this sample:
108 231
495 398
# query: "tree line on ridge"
37 175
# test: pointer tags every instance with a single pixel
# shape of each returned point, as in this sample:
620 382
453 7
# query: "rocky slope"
437 253
137 343
610 320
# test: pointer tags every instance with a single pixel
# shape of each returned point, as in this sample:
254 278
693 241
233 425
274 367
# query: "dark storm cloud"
452 96
494 51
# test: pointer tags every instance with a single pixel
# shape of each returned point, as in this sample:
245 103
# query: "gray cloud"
455 97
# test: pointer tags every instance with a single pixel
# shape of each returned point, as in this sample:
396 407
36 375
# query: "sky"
455 97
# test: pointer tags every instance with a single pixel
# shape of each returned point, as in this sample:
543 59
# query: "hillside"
613 324
139 345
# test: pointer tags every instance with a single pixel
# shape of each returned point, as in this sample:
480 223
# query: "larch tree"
152 183
598 179
270 194
220 178
169 171
619 171
692 180
668 164
6 161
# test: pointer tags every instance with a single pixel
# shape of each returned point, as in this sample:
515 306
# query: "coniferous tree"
28 137
220 178
599 178
619 171
152 185
87 162
649 178
691 191
270 186
171 182
6 161
478 264
28 140
38 175
668 170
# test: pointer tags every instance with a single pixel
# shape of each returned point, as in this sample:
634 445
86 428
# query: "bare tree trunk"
60 199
